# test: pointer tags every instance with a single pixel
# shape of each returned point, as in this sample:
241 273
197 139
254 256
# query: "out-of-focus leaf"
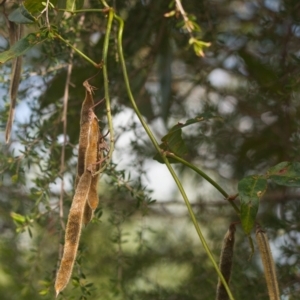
18 218
286 173
22 46
262 73
164 74
74 4
34 6
60 4
251 189
21 16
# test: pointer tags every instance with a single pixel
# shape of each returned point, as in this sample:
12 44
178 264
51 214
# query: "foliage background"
136 248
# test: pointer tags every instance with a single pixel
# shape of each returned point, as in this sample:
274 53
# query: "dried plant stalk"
226 259
15 32
268 263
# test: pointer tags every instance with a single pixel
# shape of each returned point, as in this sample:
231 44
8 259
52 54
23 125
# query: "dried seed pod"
73 232
88 126
226 258
91 165
87 105
93 199
87 214
268 263
77 211
91 153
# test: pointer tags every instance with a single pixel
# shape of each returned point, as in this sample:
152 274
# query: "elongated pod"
91 165
268 263
84 129
77 210
73 231
226 259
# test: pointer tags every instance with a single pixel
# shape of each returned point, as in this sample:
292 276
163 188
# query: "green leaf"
44 292
34 6
285 173
251 189
18 218
14 178
22 46
173 142
200 118
74 4
21 16
262 73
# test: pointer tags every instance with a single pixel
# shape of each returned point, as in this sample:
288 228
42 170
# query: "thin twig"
64 120
46 9
184 16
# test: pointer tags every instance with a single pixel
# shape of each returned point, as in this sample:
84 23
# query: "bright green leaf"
251 189
43 292
286 173
18 218
22 46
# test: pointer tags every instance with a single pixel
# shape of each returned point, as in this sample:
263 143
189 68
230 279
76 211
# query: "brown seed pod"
91 165
268 263
225 265
77 211
88 127
87 105
93 193
73 232
88 214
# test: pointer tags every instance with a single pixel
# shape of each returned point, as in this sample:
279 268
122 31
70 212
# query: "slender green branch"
123 65
106 89
78 51
104 10
201 173
151 136
197 227
206 177
105 4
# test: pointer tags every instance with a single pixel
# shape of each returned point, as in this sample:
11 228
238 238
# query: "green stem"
84 10
106 89
105 4
206 177
78 51
163 155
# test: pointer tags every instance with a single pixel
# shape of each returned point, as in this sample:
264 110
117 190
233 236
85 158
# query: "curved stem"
77 51
206 177
163 155
83 10
106 89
